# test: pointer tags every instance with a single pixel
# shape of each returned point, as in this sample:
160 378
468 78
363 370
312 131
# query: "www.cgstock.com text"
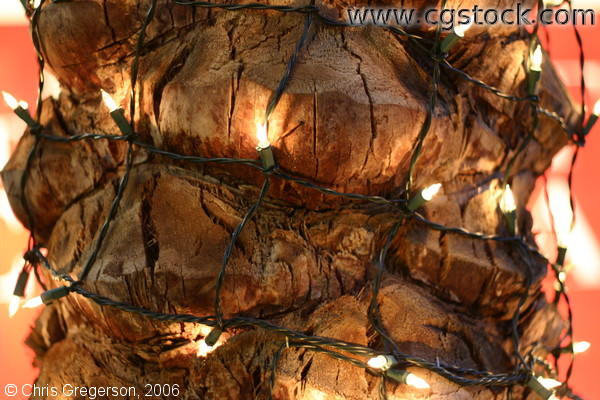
522 16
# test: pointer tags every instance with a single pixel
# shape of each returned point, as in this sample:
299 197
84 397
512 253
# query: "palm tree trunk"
348 120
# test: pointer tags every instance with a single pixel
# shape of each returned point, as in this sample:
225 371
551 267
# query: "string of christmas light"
535 70
458 32
448 371
433 95
408 207
509 209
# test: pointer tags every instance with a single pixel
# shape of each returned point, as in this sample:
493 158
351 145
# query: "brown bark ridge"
348 121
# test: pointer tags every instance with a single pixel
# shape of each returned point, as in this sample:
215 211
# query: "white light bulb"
537 59
461 29
507 201
10 100
581 347
204 349
205 330
13 306
109 101
553 397
415 381
381 362
430 191
563 235
549 383
261 135
597 108
33 303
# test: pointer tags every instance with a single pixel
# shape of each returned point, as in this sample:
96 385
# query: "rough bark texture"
348 121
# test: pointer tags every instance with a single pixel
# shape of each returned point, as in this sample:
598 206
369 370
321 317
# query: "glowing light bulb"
563 235
596 111
215 336
553 397
507 201
378 362
381 362
430 191
205 330
36 3
581 347
10 100
461 29
549 383
33 302
416 382
423 197
537 59
204 349
261 135
109 101
13 306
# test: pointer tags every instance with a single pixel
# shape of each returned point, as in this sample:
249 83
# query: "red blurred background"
18 75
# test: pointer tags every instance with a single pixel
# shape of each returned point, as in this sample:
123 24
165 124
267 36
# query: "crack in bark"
314 130
173 70
370 100
107 21
151 244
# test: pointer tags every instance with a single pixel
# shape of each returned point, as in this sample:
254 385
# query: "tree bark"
348 121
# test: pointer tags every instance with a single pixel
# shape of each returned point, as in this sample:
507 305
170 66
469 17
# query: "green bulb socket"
21 284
